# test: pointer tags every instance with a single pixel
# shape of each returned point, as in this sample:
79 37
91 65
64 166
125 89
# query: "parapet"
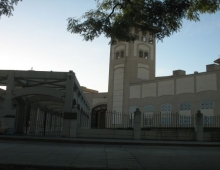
179 72
212 67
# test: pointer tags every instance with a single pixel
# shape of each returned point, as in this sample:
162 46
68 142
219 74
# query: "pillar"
33 121
8 116
137 124
199 126
70 113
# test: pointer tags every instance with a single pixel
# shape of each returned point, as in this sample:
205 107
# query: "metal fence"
84 120
211 121
43 123
107 119
117 120
167 120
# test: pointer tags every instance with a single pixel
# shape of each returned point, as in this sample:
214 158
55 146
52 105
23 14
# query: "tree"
7 6
116 18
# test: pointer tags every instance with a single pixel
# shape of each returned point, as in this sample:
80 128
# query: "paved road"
110 156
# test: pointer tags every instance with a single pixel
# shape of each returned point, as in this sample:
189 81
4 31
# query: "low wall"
105 133
211 136
169 135
179 135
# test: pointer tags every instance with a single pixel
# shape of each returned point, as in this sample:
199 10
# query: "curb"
78 141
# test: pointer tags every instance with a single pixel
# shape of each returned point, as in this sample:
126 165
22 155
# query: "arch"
38 91
99 104
98 116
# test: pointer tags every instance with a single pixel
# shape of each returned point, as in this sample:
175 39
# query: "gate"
39 122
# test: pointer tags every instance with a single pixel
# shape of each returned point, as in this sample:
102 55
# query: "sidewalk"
108 141
74 154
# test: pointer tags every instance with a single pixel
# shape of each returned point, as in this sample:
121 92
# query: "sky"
35 37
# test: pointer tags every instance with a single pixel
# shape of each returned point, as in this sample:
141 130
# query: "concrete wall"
105 133
180 135
211 136
169 135
199 90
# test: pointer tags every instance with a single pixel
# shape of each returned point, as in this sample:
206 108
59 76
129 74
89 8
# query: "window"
141 54
151 38
185 114
122 54
166 114
136 37
145 55
136 30
119 54
144 39
144 32
207 109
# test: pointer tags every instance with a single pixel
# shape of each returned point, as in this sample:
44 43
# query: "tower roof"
217 61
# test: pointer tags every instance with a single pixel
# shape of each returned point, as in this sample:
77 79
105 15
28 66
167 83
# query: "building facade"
133 84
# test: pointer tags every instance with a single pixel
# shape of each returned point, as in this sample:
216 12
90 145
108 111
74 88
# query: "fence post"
199 126
137 124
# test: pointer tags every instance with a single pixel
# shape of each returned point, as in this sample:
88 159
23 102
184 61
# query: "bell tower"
130 62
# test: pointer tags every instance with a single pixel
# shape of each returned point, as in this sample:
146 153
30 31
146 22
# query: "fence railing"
117 120
167 120
211 121
107 119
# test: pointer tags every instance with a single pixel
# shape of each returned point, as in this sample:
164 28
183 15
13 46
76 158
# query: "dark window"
141 54
144 32
136 30
117 55
151 38
122 54
136 37
146 55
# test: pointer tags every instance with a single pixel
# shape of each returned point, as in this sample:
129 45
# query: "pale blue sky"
36 37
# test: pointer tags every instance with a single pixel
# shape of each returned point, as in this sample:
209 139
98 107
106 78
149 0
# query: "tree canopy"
7 6
115 18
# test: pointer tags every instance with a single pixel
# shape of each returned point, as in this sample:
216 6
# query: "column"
70 114
8 117
137 124
199 126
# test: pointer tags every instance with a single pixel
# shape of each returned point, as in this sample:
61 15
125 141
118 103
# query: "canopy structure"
56 92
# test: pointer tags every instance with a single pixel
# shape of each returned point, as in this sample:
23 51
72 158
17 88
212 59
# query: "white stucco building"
133 84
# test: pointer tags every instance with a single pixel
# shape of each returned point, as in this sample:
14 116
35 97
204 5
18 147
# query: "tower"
130 62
